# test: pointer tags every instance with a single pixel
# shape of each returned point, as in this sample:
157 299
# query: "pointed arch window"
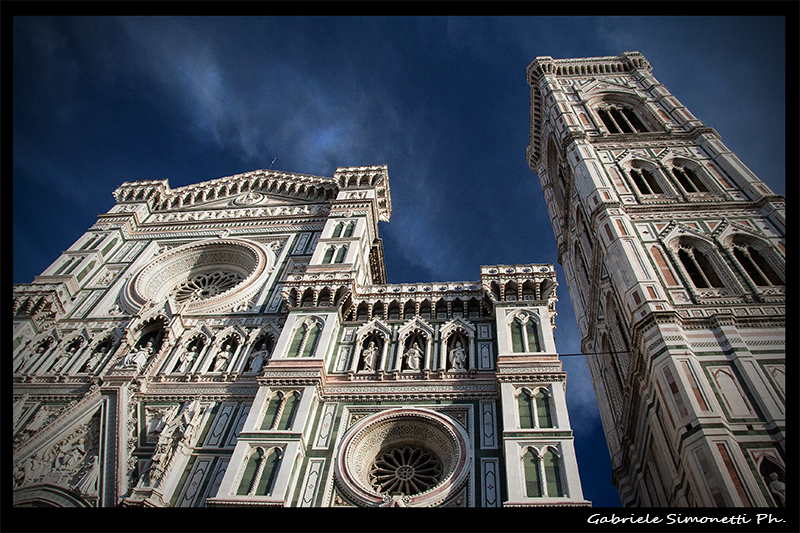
260 471
348 230
645 181
281 410
340 254
534 409
688 179
337 230
328 255
621 119
533 486
543 478
305 339
756 266
552 473
524 335
543 418
525 407
699 268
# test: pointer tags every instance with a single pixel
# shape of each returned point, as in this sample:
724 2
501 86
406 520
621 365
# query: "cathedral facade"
674 254
235 343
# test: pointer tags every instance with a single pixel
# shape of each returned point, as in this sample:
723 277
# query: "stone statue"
98 354
413 357
186 359
458 357
257 360
25 356
177 432
778 488
87 483
222 359
63 359
138 357
369 356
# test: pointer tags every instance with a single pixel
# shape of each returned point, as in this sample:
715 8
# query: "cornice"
626 62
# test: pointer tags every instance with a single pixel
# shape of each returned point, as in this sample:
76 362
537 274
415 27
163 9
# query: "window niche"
756 265
645 180
524 336
688 179
620 118
534 409
259 472
543 476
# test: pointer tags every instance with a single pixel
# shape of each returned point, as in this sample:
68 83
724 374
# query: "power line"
593 353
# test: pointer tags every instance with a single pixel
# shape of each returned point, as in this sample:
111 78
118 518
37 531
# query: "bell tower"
674 254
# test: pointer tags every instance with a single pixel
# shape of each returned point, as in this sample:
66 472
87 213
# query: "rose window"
211 276
203 286
414 453
405 470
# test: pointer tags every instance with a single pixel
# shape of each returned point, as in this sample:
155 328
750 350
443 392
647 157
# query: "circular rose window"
209 276
417 454
405 470
204 286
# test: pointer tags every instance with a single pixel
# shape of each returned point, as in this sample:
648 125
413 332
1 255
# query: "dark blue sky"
442 101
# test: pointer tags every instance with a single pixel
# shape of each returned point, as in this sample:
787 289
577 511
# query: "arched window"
688 179
524 335
543 478
699 268
281 411
525 407
259 473
533 336
305 339
533 486
328 255
340 253
552 473
620 119
337 230
534 409
756 266
348 230
517 344
543 409
645 181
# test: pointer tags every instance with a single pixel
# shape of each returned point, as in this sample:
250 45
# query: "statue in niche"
22 359
778 488
26 356
62 359
186 359
413 357
98 354
222 359
458 357
138 357
257 359
369 356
